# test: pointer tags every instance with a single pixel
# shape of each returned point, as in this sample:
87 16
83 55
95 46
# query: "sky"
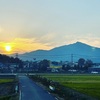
28 25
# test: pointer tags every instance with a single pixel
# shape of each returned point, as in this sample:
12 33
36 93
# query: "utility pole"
16 56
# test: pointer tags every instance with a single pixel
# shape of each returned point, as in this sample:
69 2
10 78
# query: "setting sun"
8 48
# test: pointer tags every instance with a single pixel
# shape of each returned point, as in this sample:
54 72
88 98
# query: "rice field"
7 87
6 80
88 84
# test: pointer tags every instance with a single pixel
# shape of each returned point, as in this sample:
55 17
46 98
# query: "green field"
5 80
87 84
7 86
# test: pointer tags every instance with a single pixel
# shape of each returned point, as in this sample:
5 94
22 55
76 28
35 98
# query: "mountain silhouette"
64 53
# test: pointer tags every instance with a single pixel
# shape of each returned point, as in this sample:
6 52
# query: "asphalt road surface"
31 91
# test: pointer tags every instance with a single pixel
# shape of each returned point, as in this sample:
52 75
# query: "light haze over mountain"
64 53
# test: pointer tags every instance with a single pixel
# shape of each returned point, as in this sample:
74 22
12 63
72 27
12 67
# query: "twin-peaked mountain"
65 53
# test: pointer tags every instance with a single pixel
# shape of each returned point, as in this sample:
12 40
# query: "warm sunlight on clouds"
21 45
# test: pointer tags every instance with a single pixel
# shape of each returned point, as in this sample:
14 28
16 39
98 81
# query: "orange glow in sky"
20 46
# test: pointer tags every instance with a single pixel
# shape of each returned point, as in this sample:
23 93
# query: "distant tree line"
6 59
42 65
82 64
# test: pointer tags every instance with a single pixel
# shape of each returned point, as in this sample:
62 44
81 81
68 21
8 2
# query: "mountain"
65 53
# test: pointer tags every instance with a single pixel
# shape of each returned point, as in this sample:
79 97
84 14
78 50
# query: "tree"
7 60
43 65
35 66
88 64
55 63
81 63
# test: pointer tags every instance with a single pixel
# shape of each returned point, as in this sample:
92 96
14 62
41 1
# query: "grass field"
87 84
5 80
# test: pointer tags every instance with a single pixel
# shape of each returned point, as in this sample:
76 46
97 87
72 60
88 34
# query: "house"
94 69
55 66
1 65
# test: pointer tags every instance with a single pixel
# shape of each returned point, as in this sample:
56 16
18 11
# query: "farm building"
94 69
1 65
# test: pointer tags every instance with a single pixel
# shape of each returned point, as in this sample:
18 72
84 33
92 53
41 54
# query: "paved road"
31 91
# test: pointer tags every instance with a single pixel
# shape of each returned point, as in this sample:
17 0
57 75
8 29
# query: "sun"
8 48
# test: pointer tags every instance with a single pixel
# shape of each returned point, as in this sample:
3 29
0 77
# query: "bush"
10 97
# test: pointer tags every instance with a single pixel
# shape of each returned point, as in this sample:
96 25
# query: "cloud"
52 39
46 42
91 41
22 45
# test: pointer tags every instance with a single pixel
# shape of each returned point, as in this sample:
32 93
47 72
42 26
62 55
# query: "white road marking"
48 92
56 98
20 95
